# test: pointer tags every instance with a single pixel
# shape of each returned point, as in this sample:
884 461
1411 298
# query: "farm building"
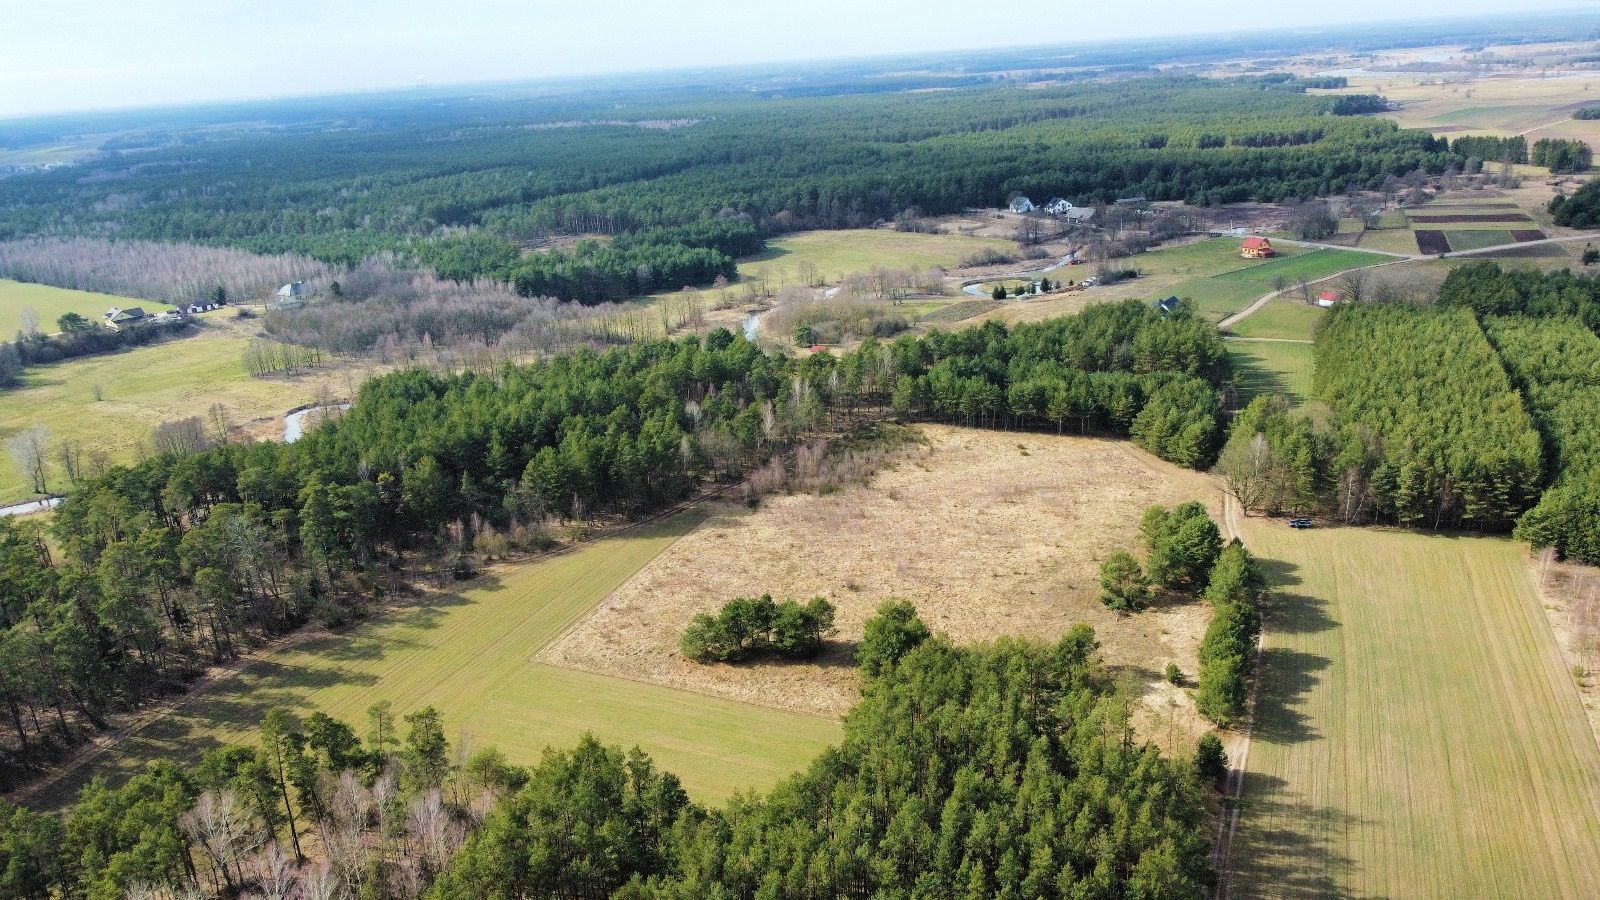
1256 248
1022 205
292 290
116 316
1064 209
199 306
1168 305
1327 298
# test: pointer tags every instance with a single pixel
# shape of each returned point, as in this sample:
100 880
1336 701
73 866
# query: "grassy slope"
1282 318
1219 296
52 302
1418 735
142 388
472 654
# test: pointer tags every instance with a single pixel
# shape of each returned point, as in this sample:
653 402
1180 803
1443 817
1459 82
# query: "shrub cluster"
752 626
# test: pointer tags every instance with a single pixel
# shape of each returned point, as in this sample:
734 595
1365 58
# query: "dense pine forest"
686 185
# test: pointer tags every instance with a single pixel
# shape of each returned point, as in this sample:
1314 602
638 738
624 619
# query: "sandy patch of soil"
989 533
1571 600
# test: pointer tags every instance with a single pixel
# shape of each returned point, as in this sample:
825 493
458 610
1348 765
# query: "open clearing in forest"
141 388
1272 367
471 653
836 254
1417 733
51 303
989 533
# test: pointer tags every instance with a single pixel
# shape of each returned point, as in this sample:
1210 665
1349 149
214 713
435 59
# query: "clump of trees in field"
1561 154
1580 210
939 780
749 627
1227 652
1122 368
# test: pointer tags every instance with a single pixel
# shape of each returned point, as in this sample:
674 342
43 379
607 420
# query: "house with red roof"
1256 248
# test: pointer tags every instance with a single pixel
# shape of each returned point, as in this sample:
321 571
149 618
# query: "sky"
72 55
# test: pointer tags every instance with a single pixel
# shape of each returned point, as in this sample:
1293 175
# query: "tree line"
1123 368
1427 428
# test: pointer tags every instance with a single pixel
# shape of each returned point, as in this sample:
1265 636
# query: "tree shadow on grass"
1277 852
1286 676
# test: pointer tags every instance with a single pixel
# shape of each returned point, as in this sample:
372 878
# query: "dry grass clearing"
1417 733
988 533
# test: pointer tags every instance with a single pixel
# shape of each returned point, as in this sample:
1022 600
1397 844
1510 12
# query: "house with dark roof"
117 317
1168 305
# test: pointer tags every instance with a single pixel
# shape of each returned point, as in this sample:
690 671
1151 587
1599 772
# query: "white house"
291 290
1022 205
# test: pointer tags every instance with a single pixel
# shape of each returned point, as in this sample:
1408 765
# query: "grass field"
1272 367
1418 735
141 388
470 653
50 303
1220 296
1283 319
839 253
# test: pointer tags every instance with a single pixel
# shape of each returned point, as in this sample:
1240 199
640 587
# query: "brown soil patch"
989 533
1571 599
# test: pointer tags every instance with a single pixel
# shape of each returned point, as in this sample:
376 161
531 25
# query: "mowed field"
1417 733
471 653
51 303
140 389
1272 367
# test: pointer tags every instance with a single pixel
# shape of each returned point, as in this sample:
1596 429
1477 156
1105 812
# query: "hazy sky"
60 55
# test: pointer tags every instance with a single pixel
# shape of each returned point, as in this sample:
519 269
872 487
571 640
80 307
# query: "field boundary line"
1233 789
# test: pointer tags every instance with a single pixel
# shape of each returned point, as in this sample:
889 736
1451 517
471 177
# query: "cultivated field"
988 533
143 387
51 303
471 653
1417 733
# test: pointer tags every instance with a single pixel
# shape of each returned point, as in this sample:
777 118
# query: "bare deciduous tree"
28 449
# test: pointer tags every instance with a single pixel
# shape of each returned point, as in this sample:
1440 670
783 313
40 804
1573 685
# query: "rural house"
1168 305
1327 298
1256 248
116 316
291 290
1022 205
